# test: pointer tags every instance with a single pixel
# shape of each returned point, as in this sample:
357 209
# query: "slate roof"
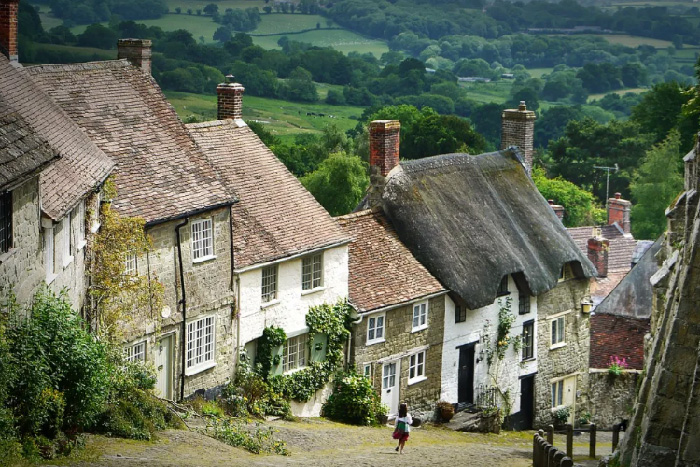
473 219
161 172
276 216
621 250
383 271
82 166
22 151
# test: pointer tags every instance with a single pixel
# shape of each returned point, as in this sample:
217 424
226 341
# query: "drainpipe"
182 302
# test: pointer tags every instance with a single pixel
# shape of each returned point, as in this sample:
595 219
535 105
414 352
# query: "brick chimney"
518 129
598 254
384 138
8 29
558 209
230 101
619 211
137 51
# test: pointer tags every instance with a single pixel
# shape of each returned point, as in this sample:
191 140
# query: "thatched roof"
473 219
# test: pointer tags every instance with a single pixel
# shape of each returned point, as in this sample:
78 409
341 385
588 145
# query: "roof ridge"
355 215
97 65
216 123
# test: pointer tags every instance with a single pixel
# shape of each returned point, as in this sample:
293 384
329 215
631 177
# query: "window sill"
7 255
200 368
526 360
420 328
559 407
68 261
81 244
291 372
375 341
50 278
557 346
417 380
204 259
312 291
269 304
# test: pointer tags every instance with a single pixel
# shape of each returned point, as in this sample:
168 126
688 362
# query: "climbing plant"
115 296
271 338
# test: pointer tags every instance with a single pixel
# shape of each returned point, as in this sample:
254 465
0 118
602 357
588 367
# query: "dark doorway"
465 381
523 419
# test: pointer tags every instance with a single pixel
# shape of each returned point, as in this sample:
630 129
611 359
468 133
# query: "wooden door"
164 367
390 386
465 377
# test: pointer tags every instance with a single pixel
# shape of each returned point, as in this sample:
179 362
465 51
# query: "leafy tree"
211 9
98 36
222 34
579 203
300 87
655 184
552 123
339 183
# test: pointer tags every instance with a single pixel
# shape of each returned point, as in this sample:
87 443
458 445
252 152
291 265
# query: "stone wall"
569 360
611 397
400 343
22 268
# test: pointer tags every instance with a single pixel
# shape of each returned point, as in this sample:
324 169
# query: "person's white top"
408 419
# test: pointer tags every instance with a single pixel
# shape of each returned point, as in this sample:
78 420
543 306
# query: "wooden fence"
546 455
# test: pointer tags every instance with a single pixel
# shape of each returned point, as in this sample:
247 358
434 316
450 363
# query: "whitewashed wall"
508 370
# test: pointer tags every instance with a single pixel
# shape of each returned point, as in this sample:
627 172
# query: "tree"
655 184
339 183
300 87
98 36
552 123
211 9
578 203
222 34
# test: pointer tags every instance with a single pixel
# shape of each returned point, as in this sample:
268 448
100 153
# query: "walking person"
402 427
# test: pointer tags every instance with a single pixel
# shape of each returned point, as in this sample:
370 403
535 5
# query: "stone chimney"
8 29
619 211
137 51
518 129
598 254
558 209
384 138
230 101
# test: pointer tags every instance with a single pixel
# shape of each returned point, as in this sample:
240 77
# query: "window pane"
317 271
306 273
554 332
380 327
560 393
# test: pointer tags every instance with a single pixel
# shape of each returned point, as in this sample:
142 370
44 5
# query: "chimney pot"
518 129
551 202
137 52
8 29
618 195
229 101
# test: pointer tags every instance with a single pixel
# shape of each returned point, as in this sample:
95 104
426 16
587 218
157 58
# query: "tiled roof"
276 217
161 173
383 271
22 150
621 246
82 165
621 336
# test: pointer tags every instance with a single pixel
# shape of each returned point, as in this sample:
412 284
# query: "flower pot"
447 413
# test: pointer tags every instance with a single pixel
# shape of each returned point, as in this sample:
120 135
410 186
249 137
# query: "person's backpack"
401 427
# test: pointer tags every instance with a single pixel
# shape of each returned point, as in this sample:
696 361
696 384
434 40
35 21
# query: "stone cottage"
288 253
516 279
44 224
398 336
163 177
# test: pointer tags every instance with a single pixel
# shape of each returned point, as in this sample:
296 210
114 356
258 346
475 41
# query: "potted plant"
584 418
446 410
561 416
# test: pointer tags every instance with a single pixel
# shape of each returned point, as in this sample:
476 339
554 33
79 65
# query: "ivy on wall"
333 321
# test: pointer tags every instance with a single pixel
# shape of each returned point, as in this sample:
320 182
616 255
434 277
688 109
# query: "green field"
282 118
593 97
495 91
277 23
222 4
342 40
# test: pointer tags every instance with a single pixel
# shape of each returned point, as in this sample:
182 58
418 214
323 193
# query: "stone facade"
611 397
209 292
566 361
398 345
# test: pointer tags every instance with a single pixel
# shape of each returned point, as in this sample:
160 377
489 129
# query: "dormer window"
566 273
503 286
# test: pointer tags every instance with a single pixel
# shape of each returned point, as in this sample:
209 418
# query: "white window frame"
557 328
131 265
269 276
367 370
96 220
50 254
202 231
200 333
312 272
528 324
66 240
79 214
420 316
557 393
417 366
135 352
298 347
376 332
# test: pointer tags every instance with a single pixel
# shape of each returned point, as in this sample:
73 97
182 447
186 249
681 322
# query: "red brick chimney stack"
8 29
518 129
619 211
598 254
137 51
230 101
384 138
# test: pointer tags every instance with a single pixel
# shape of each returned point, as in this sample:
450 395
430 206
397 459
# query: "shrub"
256 440
354 401
250 394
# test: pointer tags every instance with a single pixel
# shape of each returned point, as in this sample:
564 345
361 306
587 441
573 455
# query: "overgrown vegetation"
58 380
354 400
